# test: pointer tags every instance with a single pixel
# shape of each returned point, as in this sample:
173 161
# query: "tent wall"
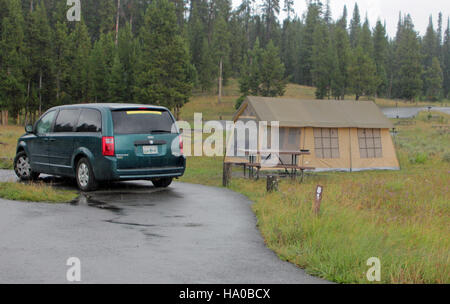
387 161
341 163
350 157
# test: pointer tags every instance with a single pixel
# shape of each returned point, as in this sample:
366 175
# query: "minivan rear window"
142 121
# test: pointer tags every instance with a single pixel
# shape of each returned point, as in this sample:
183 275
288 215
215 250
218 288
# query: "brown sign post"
318 199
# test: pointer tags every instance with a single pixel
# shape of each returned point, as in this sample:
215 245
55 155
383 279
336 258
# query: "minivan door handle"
52 139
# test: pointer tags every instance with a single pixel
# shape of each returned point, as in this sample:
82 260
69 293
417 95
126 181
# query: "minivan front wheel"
85 176
22 167
162 182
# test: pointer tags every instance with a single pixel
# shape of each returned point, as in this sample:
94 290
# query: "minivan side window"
90 121
45 124
66 120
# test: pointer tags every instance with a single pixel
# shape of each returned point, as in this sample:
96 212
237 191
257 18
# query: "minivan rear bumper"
106 170
149 173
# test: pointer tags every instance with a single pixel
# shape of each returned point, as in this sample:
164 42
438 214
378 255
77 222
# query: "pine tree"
433 80
429 51
128 50
342 22
11 57
271 9
106 14
101 61
313 18
355 27
40 49
207 67
288 8
165 75
117 83
290 48
380 46
323 63
439 39
446 60
408 77
273 82
221 50
255 62
342 58
62 61
263 73
196 29
80 45
238 43
366 41
362 73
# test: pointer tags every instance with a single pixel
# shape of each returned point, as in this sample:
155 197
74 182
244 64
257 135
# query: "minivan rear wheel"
22 167
85 176
162 182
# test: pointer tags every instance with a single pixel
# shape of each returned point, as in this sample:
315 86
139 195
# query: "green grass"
401 217
8 142
35 192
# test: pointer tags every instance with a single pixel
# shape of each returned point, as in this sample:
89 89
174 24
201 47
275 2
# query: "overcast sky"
385 10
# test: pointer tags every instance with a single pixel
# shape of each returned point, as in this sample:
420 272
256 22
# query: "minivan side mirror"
29 128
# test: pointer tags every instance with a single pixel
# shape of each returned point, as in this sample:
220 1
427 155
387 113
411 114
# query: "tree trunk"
220 79
40 92
117 21
226 174
27 101
272 183
131 22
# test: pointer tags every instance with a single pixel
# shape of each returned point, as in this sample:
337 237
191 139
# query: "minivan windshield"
142 121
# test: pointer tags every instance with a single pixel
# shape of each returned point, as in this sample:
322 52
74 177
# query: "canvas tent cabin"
341 135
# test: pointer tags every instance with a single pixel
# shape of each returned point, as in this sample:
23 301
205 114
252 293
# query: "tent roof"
318 113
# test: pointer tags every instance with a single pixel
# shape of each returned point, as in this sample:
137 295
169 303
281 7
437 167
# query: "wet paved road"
410 112
134 233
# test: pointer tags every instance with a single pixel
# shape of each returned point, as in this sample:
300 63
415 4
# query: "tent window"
326 143
370 143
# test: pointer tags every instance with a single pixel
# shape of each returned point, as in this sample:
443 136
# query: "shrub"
239 102
446 157
419 158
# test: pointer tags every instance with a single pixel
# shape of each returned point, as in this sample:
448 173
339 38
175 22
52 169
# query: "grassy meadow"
401 217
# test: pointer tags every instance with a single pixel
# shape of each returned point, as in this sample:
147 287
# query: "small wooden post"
318 199
272 183
226 174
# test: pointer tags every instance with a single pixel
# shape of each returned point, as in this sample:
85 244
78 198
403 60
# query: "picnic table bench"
405 122
442 129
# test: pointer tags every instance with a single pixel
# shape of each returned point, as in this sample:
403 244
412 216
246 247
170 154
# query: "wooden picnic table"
293 166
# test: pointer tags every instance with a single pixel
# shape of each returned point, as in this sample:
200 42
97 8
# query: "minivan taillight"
181 145
108 146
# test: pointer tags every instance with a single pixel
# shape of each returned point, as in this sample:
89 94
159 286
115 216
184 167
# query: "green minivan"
102 142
